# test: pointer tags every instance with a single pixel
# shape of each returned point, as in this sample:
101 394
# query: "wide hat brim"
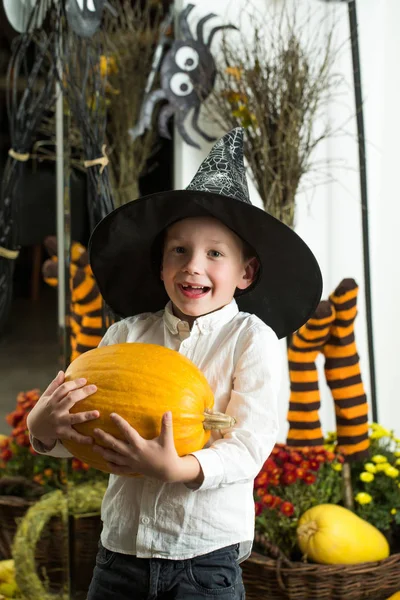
127 269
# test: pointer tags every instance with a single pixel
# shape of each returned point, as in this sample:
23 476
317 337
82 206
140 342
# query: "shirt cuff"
212 468
58 450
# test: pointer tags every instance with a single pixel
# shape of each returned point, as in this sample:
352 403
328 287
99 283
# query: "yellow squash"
140 382
331 534
395 596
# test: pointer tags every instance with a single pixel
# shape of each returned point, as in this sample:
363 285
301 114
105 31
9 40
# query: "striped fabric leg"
304 423
343 375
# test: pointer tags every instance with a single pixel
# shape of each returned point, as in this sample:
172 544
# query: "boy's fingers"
82 417
78 394
131 435
81 439
167 430
59 378
63 390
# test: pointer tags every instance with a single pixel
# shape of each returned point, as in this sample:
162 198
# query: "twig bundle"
274 84
131 42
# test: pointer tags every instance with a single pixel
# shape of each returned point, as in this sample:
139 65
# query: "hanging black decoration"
25 111
187 75
84 86
84 16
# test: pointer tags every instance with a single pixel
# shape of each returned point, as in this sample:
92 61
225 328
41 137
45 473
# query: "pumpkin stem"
217 420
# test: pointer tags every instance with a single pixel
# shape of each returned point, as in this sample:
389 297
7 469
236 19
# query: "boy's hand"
50 419
156 458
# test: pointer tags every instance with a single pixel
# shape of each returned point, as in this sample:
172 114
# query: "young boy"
181 262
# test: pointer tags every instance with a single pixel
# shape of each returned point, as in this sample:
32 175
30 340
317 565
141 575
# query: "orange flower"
261 479
6 455
48 472
289 477
287 508
259 508
300 472
309 478
4 442
296 458
314 464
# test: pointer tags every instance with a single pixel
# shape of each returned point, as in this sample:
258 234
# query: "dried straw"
274 84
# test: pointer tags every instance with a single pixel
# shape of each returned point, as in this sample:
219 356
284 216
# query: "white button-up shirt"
241 359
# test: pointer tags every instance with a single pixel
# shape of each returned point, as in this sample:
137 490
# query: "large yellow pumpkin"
331 534
141 382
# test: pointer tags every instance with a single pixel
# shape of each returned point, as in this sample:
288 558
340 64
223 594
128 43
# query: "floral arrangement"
22 470
376 484
293 480
290 482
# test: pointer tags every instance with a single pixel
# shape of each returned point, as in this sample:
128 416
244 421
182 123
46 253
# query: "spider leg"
214 31
146 113
165 113
179 117
183 24
195 125
200 27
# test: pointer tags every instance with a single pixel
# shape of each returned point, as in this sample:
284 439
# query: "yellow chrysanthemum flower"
367 477
379 458
337 466
331 436
381 467
363 498
392 472
393 511
397 461
370 467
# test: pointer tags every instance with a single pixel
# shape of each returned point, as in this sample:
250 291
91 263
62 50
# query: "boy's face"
202 266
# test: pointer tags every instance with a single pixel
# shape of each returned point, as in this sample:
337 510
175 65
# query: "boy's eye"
179 250
215 253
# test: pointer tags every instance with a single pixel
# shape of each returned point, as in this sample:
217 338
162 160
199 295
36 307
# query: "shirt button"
145 520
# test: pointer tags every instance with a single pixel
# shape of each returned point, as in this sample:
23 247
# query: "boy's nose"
193 265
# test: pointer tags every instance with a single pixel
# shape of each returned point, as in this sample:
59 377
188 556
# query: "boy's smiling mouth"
193 291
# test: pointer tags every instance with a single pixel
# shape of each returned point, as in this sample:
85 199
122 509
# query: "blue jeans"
125 577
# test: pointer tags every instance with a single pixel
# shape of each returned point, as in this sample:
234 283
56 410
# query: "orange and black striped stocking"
343 375
304 423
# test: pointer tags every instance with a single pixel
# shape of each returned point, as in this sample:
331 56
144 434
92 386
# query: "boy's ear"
250 272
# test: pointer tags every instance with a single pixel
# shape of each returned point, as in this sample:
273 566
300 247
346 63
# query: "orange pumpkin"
141 382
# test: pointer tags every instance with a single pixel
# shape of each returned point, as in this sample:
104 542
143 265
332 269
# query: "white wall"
329 216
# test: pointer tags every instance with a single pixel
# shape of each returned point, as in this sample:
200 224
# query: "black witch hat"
125 248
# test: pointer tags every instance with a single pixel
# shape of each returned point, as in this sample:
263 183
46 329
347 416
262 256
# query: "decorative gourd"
331 535
395 596
141 382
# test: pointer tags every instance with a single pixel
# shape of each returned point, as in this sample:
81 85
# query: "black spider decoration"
84 16
187 75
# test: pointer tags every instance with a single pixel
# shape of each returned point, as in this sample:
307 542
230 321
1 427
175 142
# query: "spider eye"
187 58
89 5
181 84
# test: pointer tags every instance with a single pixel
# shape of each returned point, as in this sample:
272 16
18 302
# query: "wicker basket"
11 509
51 550
277 578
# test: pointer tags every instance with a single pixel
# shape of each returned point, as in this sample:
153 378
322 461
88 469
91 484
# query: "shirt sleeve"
111 336
240 454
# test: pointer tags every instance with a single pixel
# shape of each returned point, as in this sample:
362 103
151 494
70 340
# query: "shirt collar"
205 324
